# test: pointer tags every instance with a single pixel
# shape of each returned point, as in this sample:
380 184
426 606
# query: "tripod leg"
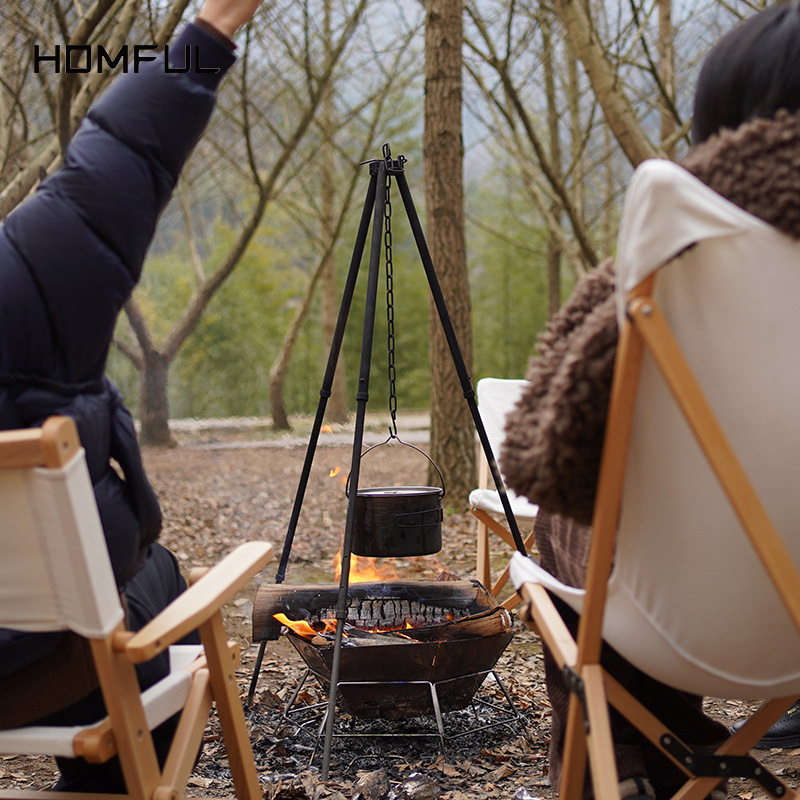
325 391
362 395
256 671
455 352
327 381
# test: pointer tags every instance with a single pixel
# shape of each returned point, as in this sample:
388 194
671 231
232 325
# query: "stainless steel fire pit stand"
510 716
375 204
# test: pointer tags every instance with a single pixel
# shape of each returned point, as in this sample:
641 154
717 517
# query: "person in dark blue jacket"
70 257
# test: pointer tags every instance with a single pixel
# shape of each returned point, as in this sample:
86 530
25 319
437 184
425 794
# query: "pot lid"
399 491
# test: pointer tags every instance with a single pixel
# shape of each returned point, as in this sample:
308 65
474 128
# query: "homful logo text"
83 58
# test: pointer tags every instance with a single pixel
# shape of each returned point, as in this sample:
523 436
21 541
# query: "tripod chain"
387 240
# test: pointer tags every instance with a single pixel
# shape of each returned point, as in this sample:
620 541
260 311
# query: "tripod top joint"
393 165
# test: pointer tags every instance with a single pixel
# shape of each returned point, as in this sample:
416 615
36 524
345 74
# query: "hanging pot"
396 521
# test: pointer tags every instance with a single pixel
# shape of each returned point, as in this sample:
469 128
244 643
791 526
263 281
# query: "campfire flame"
328 626
302 628
326 429
334 472
366 568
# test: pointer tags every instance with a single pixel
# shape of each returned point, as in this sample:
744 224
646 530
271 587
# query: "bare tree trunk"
154 411
336 408
666 58
575 129
619 113
277 374
266 188
452 432
553 242
280 419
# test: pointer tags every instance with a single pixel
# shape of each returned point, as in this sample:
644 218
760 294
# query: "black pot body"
398 521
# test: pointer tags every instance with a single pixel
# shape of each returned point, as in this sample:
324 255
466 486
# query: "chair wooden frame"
125 731
486 523
588 736
489 519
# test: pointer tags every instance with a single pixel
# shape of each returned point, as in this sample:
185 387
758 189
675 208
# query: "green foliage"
411 326
224 368
508 278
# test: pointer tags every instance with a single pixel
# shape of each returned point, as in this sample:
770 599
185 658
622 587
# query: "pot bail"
396 521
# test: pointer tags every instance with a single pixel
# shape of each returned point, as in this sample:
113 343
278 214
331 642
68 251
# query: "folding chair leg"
573 770
483 565
737 746
605 779
511 602
189 734
136 752
222 663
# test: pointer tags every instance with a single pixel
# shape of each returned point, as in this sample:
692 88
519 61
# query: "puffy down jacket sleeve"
79 243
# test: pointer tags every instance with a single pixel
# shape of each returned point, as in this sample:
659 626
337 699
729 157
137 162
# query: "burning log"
373 605
488 623
355 637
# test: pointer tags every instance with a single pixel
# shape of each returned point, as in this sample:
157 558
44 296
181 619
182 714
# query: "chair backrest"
55 572
728 285
496 398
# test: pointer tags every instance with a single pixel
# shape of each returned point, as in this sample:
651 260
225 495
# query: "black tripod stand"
375 204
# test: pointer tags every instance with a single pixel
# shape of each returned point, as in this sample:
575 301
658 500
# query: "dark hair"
753 71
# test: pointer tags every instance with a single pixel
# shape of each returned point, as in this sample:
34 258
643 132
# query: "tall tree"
152 358
553 127
328 200
620 114
336 408
452 431
666 72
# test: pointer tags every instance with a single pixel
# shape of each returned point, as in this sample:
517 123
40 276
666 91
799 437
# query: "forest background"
549 106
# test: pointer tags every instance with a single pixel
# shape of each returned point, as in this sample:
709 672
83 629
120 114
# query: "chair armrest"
199 602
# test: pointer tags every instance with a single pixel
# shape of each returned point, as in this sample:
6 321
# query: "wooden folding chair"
692 573
496 397
55 574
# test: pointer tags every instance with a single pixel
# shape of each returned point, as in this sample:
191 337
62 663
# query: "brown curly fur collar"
554 436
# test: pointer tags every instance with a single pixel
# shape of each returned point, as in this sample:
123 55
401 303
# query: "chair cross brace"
709 765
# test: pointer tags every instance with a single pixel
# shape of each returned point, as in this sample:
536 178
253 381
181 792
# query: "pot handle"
406 444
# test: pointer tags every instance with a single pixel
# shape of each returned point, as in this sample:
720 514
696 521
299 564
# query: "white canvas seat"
55 574
496 397
696 513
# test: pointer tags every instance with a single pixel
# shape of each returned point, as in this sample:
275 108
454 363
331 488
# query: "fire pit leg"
437 710
514 718
296 692
322 731
517 715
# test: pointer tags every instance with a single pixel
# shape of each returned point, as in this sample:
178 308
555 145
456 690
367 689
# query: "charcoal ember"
416 787
355 637
372 786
